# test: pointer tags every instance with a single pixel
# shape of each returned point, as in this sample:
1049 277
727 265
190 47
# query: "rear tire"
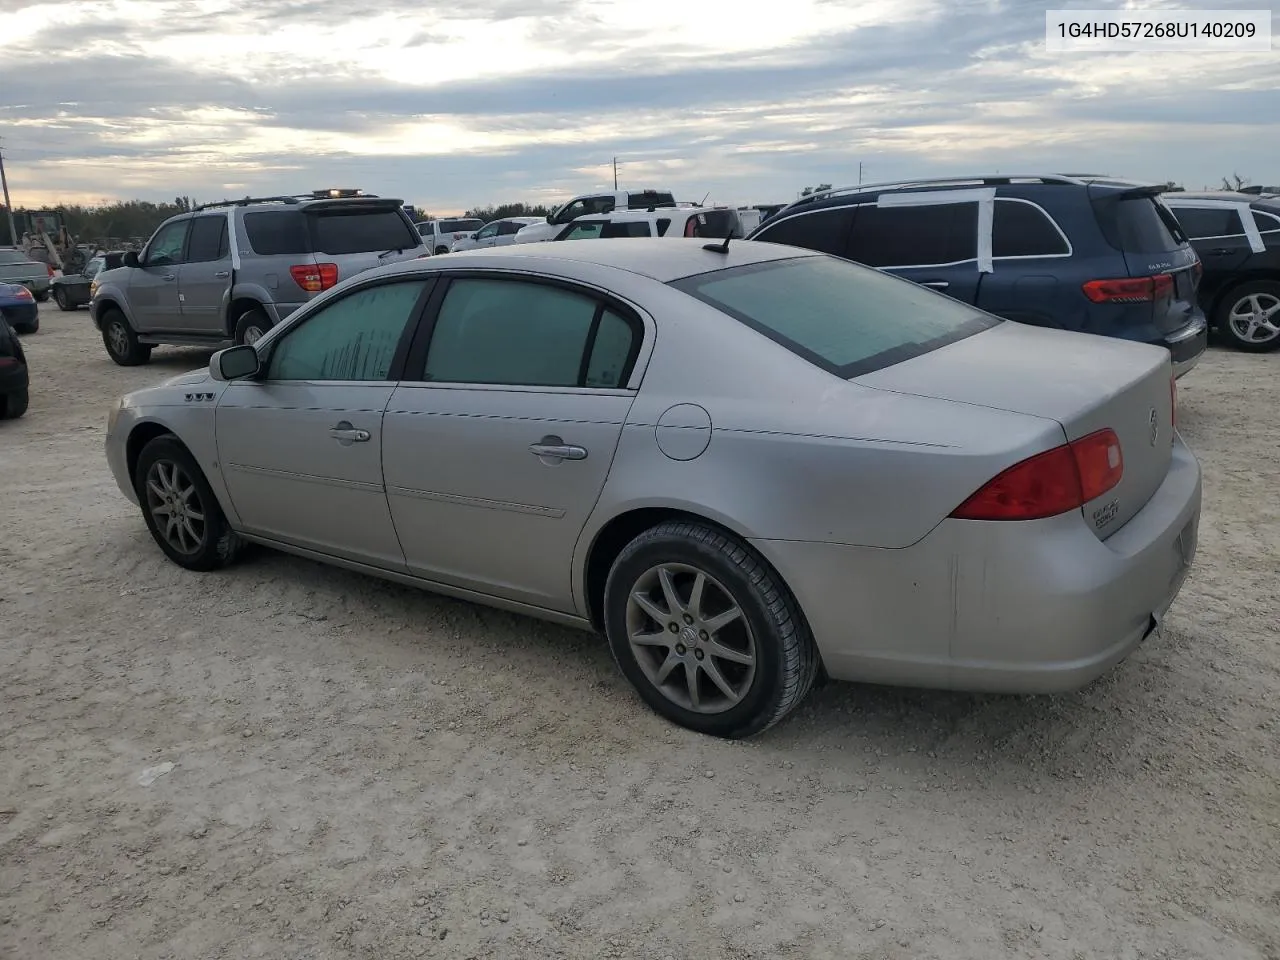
42 296
121 342
180 509
1238 316
669 612
64 302
32 327
15 405
251 325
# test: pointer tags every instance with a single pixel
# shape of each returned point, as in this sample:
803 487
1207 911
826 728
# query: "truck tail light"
315 277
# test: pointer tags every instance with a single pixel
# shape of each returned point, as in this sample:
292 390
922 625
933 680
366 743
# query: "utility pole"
859 173
8 207
615 173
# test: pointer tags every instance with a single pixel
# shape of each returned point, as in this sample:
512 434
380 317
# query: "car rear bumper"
20 315
1188 345
1020 607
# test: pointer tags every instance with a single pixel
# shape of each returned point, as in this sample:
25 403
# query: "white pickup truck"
594 204
440 235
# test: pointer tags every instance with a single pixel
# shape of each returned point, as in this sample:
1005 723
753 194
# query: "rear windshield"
333 232
1139 225
8 256
460 226
650 198
845 318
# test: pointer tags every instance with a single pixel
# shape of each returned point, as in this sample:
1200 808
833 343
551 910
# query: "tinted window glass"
354 338
664 224
507 228
612 352
1267 223
273 232
465 225
1023 230
489 230
826 231
627 228
1209 221
369 231
583 231
208 239
168 242
512 332
1138 225
915 236
650 198
843 317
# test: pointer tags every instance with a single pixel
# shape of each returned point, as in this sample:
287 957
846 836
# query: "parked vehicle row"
747 464
17 267
17 309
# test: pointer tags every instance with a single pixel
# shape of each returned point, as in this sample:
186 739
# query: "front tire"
1249 316
180 508
251 326
440 250
706 631
64 302
121 342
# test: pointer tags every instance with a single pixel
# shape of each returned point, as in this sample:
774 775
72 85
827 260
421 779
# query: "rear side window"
1138 225
1267 222
927 235
275 232
842 317
650 198
589 230
627 228
208 239
664 224
366 231
826 231
1202 222
1024 230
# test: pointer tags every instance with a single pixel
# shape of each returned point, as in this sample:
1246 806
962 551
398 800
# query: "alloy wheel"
691 638
1256 318
174 503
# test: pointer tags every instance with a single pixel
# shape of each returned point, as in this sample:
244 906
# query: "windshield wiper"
386 253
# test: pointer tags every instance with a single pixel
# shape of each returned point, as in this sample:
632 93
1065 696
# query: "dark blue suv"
1084 253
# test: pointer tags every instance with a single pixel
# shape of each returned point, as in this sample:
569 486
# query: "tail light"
1050 483
691 227
6 362
23 294
1130 289
49 267
315 277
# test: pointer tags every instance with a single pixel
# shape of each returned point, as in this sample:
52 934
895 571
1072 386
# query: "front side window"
354 338
572 211
166 246
587 230
1203 222
93 268
517 333
925 235
491 230
826 231
842 317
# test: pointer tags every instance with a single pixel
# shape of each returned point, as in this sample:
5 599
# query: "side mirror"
234 363
551 218
131 259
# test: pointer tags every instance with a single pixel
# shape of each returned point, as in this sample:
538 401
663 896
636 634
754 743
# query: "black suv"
1084 253
1237 236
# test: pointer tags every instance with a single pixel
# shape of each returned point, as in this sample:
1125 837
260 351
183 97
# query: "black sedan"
18 308
1237 237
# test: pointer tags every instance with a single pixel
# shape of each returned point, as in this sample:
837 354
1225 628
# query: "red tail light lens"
315 277
1130 289
1050 483
49 267
23 294
691 227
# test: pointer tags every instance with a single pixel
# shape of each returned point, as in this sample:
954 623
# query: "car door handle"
553 448
935 284
222 274
346 434
1220 252
170 276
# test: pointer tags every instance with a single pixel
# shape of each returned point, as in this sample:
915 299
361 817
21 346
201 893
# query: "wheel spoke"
649 607
668 665
659 639
695 595
711 670
691 678
154 488
190 529
196 515
721 652
161 511
669 591
721 620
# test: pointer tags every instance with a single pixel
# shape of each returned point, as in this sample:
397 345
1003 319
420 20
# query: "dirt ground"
360 770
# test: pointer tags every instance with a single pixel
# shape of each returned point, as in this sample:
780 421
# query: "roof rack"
291 198
992 179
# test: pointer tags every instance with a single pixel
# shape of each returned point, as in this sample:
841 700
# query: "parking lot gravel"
287 760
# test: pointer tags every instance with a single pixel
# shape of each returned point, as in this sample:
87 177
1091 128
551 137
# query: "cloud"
453 105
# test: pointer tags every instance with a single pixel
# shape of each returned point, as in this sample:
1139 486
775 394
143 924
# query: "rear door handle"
1220 251
936 284
553 448
170 276
222 274
346 434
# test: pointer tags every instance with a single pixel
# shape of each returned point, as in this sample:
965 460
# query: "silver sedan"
748 467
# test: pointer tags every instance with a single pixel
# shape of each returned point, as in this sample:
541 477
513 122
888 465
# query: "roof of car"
661 259
1211 195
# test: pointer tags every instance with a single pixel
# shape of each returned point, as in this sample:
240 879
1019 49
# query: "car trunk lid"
1083 382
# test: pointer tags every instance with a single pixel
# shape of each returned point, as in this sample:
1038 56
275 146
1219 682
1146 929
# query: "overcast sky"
452 105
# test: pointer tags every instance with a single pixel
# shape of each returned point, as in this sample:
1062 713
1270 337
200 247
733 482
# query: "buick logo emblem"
1155 426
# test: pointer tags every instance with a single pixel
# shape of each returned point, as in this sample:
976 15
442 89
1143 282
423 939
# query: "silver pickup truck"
17 267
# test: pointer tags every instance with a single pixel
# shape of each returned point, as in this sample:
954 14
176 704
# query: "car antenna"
719 247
